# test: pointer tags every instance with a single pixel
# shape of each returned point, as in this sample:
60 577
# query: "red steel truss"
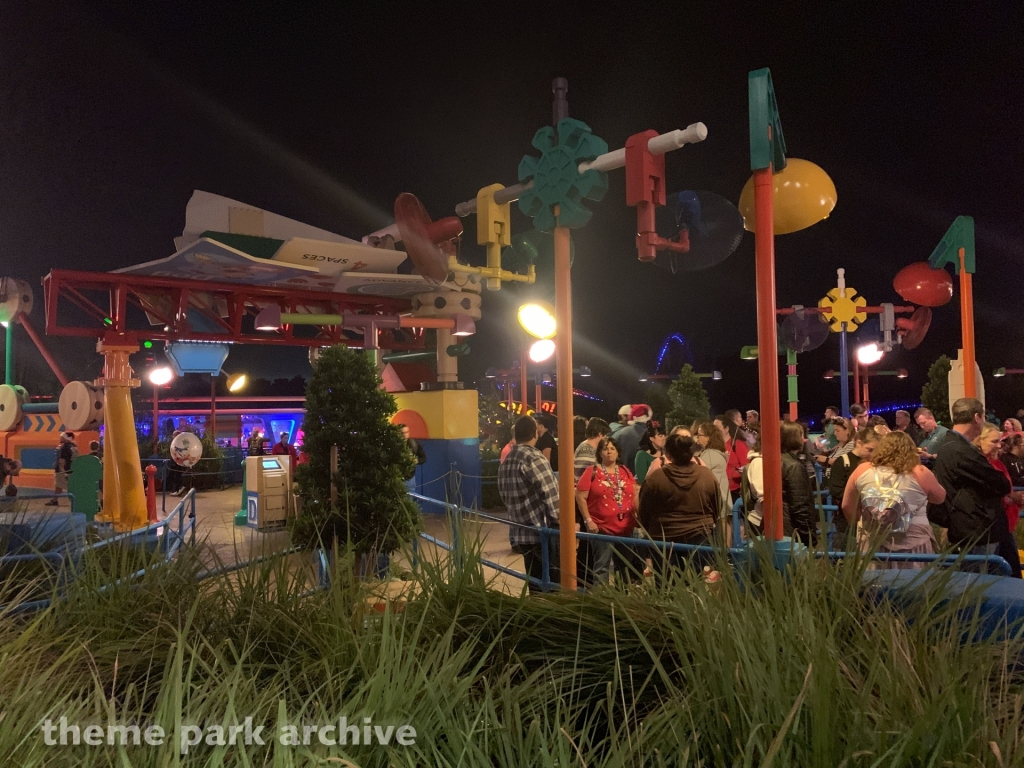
223 306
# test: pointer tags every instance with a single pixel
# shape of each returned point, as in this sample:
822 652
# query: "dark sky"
111 114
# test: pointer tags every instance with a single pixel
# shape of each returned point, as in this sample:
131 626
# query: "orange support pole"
967 327
523 357
767 353
566 485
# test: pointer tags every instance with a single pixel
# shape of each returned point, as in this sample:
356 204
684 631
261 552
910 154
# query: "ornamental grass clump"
812 667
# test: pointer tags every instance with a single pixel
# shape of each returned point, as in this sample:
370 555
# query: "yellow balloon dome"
804 195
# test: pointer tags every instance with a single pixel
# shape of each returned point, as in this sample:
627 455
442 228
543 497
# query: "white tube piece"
659 145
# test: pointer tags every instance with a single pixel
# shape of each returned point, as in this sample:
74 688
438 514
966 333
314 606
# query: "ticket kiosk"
268 485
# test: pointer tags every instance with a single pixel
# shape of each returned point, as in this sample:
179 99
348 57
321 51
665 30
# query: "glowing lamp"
830 374
585 371
542 350
902 373
920 284
803 195
716 375
749 353
160 376
236 382
869 354
269 318
491 373
999 373
538 319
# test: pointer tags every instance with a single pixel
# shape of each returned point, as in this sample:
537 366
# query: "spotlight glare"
537 319
542 350
869 354
160 376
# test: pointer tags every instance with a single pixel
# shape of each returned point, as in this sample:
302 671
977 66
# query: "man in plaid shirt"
530 492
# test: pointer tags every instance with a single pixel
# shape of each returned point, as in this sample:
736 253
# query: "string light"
892 408
688 353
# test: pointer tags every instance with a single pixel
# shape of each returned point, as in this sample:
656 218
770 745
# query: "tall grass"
803 669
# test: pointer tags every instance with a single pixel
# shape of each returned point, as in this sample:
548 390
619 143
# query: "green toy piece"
765 149
556 176
84 485
959 235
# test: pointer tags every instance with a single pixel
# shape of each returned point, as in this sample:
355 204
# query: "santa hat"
640 413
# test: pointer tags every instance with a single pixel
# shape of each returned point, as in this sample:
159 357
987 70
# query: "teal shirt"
830 440
930 444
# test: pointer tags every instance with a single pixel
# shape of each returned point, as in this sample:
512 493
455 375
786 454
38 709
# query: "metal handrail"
546 533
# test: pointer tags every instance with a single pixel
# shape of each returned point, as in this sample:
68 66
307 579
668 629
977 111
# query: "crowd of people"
913 487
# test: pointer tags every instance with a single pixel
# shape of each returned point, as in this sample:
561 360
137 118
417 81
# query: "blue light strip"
892 408
664 349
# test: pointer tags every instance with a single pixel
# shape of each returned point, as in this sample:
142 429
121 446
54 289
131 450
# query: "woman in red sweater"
736 450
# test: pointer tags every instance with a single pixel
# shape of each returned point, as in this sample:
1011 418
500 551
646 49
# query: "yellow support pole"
124 497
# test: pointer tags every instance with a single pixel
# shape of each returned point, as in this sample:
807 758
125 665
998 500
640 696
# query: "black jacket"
974 492
799 517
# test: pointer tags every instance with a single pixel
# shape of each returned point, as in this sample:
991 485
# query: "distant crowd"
913 487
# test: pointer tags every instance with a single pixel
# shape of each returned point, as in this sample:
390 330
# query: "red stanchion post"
151 493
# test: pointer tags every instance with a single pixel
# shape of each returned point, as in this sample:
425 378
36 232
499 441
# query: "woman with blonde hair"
887 500
989 442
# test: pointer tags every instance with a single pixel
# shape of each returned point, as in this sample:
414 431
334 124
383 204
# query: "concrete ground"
222 541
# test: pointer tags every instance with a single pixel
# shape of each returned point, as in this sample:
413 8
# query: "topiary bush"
346 406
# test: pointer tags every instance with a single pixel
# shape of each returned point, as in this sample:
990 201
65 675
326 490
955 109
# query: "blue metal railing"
546 534
68 557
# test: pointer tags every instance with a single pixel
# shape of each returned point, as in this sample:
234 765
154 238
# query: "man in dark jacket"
799 515
973 510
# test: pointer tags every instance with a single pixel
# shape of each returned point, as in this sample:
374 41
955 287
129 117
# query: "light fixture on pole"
1001 372
538 319
541 350
158 377
235 383
868 355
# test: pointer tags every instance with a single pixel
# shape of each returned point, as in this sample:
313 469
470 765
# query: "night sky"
111 114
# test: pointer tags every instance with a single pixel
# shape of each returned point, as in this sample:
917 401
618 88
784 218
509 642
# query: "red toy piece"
645 188
421 236
921 284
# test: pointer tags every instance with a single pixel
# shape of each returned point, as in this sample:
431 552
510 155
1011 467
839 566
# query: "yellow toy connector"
494 231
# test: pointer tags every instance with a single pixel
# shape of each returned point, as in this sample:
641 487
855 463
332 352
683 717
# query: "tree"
689 400
656 396
346 406
935 394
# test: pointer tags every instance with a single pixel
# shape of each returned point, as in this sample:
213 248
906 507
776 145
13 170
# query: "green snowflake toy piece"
556 176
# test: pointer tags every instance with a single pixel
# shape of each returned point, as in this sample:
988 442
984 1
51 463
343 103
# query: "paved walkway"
222 541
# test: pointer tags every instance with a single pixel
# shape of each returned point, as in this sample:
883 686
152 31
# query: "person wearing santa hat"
628 438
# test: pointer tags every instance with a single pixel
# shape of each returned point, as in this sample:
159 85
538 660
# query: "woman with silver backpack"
887 500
